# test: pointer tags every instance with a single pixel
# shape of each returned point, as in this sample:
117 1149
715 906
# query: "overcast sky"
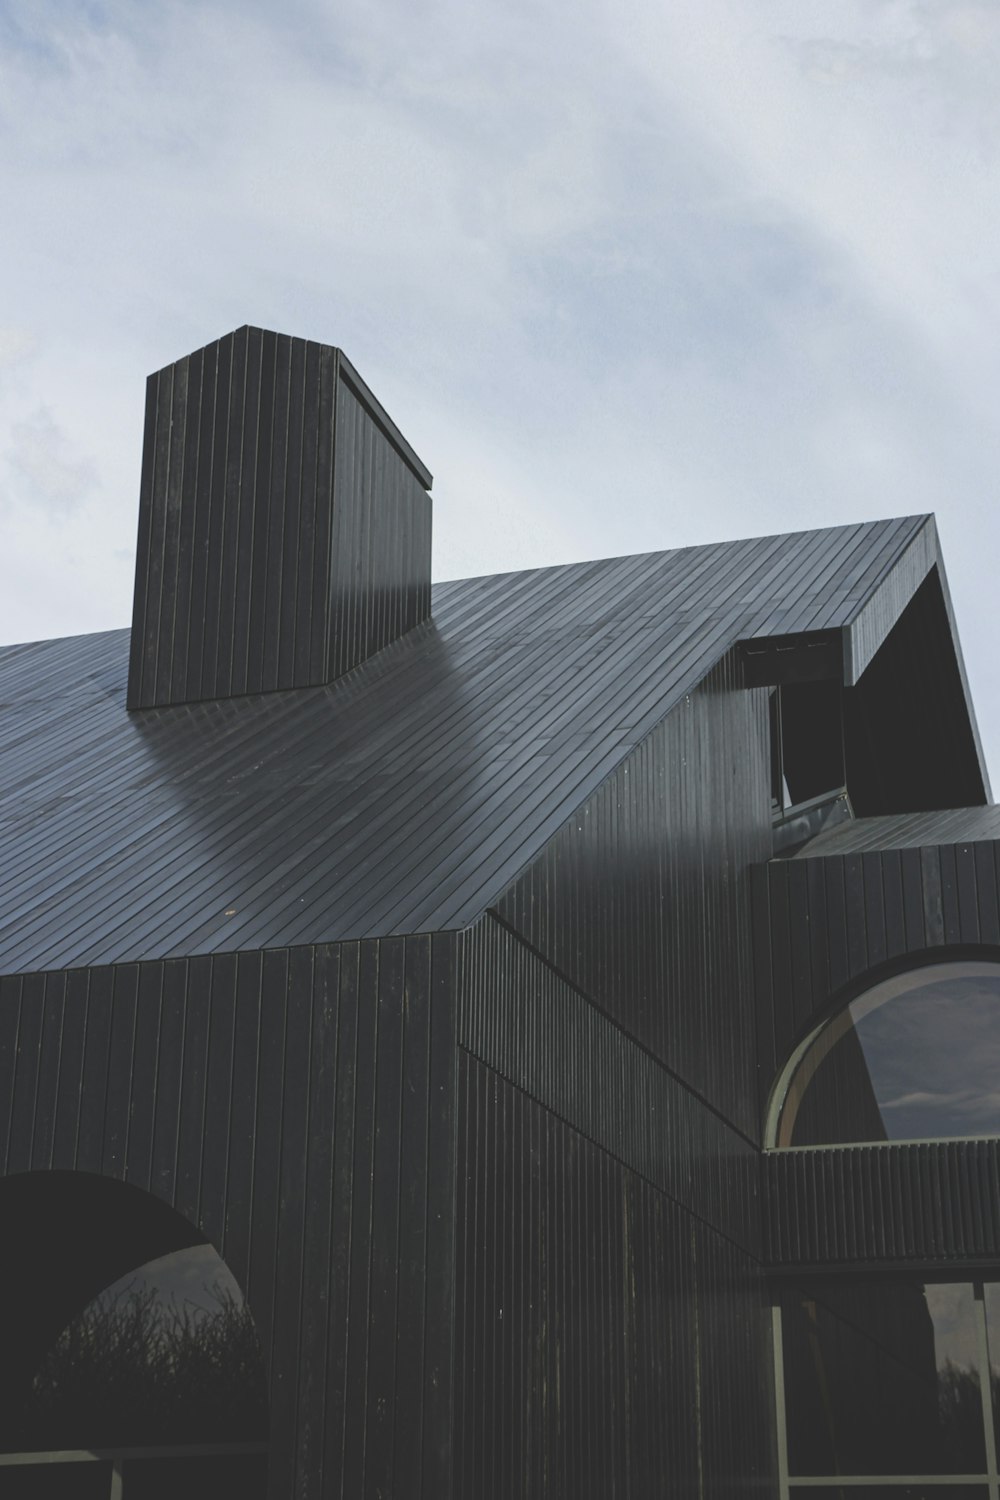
728 269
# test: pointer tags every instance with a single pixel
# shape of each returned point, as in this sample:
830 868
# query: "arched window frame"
880 986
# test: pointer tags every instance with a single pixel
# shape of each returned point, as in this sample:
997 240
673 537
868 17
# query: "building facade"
564 1004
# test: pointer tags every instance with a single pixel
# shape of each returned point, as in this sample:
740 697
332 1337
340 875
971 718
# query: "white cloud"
49 472
706 269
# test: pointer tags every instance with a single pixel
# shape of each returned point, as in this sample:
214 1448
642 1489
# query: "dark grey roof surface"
957 825
405 796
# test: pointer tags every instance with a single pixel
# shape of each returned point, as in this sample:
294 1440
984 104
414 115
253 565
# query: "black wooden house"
568 1002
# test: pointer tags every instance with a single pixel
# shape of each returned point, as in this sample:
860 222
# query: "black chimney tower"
284 524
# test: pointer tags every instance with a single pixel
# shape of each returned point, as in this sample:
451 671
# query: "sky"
195 1280
627 279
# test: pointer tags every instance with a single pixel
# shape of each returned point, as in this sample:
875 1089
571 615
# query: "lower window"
889 1386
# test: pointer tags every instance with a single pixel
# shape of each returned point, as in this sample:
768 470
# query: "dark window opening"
807 742
895 1379
911 744
129 1354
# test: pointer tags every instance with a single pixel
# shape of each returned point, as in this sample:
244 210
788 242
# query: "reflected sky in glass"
196 1279
955 1338
934 1059
923 1047
166 1355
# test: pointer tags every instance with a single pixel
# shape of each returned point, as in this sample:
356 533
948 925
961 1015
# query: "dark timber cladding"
284 524
608 1344
884 1205
297 1106
651 874
525 1021
829 923
864 900
436 969
610 1320
408 796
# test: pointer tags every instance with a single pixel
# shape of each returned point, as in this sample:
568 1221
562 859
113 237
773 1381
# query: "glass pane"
167 1355
882 1378
89 1481
209 1478
915 1058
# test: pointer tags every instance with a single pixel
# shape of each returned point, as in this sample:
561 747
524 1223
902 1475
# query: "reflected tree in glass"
167 1356
882 1377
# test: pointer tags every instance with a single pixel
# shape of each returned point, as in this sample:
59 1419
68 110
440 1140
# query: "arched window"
129 1364
916 1057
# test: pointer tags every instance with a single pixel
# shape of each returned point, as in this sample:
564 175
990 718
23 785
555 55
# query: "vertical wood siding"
643 899
381 543
931 1203
298 1106
823 923
284 530
522 1019
826 927
609 1345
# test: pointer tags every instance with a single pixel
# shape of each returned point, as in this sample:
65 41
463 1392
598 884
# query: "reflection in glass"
882 1378
166 1355
915 1058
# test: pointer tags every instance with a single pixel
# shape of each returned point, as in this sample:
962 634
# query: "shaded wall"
929 1204
284 524
611 1332
608 1126
642 900
908 739
828 928
821 924
297 1106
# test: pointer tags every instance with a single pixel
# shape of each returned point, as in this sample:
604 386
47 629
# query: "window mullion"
986 1391
779 1403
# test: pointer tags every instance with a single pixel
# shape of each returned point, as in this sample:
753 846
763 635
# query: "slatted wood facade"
404 797
297 1106
932 1205
369 1131
608 1342
826 923
830 924
642 898
528 1023
612 1332
284 524
434 968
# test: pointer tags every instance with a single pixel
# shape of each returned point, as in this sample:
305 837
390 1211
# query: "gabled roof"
405 796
